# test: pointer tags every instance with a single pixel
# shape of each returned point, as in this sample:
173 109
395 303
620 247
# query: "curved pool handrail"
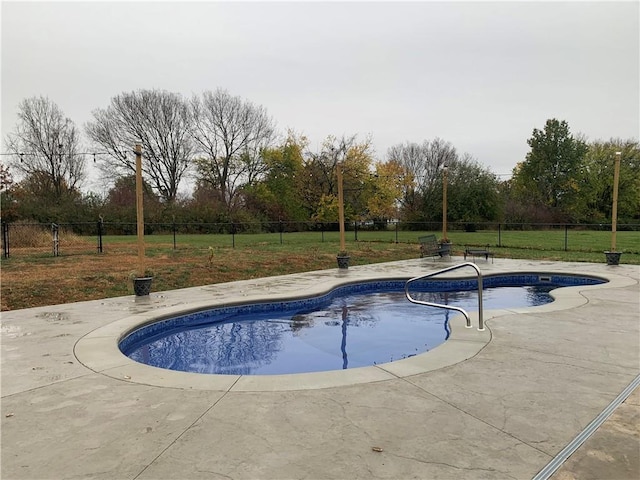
450 307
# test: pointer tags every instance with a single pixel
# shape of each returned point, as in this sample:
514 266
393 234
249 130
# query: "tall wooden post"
341 208
444 203
139 211
614 210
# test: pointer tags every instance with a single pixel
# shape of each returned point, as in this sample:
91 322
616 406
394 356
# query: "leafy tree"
319 179
7 198
205 206
278 196
327 210
230 135
596 191
35 200
519 207
390 181
120 202
6 179
161 122
123 193
359 181
473 192
46 148
551 173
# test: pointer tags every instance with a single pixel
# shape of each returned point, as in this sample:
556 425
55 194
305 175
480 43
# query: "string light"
124 156
22 154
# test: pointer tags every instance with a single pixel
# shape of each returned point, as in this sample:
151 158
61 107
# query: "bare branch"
49 144
424 161
230 135
161 121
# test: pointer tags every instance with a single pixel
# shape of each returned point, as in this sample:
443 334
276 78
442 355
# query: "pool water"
353 330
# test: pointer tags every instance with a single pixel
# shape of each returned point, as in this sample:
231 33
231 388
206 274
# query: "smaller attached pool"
354 325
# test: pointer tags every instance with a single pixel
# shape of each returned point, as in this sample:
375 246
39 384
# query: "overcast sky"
481 75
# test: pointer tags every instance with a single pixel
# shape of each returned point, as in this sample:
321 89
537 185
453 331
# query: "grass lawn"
33 277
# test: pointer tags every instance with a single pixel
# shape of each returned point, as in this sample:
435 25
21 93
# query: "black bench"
478 252
429 246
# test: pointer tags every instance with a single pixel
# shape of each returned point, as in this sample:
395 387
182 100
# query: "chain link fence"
50 239
21 239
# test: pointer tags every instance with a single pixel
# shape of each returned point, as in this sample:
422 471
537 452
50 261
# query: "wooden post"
444 203
614 211
341 208
139 211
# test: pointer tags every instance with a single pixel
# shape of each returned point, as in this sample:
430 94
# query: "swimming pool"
354 325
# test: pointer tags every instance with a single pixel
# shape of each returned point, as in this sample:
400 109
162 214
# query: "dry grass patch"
32 282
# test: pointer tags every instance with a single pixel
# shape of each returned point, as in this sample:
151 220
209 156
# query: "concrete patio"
496 404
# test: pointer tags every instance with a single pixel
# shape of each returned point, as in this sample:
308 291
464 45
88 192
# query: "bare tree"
45 144
423 161
230 134
157 119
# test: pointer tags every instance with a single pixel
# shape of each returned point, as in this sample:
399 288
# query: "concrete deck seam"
180 436
57 382
596 362
456 467
406 379
395 375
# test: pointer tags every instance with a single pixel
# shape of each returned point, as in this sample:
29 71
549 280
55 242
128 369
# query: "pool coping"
98 350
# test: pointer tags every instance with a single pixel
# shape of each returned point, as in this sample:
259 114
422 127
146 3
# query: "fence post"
233 235
5 239
280 227
55 238
396 231
499 235
174 231
100 224
355 230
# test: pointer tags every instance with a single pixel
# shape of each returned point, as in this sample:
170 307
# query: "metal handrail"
450 307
